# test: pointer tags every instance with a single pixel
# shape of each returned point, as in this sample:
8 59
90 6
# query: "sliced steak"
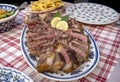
46 63
78 51
61 51
57 64
78 35
72 55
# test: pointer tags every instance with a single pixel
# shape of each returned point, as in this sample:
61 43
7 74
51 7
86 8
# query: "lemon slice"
62 25
55 21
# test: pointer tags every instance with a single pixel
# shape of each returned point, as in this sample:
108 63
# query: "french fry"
43 5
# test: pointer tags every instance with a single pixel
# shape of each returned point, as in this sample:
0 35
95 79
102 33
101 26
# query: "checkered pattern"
107 37
108 40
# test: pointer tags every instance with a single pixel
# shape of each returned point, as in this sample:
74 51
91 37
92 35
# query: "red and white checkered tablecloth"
107 37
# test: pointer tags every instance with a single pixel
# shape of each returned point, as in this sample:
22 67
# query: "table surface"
106 36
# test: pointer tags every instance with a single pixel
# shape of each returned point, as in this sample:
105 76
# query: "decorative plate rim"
13 70
10 17
94 23
58 78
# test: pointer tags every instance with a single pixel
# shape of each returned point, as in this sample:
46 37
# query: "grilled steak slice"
46 63
78 35
68 64
78 51
58 63
33 44
73 58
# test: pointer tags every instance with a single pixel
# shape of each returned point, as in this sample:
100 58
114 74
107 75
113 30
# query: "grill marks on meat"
58 63
42 36
45 64
47 45
36 43
78 35
57 50
73 58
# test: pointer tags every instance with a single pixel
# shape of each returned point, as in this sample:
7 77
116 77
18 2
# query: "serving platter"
92 13
82 71
8 74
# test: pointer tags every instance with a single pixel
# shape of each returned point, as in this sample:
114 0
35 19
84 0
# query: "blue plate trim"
23 48
12 75
7 7
82 74
73 76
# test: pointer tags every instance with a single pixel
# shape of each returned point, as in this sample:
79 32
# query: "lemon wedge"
55 21
62 25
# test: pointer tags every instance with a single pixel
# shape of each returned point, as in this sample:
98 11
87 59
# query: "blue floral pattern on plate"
82 71
12 75
7 23
92 13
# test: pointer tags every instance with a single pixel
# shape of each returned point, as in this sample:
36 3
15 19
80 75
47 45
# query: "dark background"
115 4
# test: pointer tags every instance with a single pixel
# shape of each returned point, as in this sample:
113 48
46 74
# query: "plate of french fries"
42 6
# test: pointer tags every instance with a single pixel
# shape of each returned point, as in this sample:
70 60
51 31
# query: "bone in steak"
56 50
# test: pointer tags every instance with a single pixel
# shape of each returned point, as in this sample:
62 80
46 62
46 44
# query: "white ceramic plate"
12 75
85 69
92 13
